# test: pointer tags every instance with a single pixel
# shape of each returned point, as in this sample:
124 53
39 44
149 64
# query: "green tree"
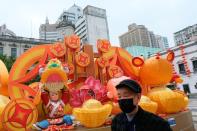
8 61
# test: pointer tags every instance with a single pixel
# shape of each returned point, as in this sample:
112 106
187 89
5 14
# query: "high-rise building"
186 35
139 35
81 29
153 40
92 26
65 25
48 31
5 31
72 14
162 42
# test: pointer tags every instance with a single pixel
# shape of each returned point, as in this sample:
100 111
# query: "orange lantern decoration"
72 42
19 114
103 62
103 45
115 71
188 72
82 59
58 49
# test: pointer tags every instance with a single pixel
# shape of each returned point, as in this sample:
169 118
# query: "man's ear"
138 97
137 61
170 56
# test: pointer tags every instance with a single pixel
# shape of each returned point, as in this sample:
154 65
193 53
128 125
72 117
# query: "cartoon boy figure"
54 102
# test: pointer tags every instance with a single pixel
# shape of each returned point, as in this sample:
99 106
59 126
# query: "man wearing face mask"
133 117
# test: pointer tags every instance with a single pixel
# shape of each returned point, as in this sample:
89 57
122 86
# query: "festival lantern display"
83 83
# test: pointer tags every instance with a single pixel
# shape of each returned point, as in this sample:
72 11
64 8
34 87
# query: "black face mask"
126 105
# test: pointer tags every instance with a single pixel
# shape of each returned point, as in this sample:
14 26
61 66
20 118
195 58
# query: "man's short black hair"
131 85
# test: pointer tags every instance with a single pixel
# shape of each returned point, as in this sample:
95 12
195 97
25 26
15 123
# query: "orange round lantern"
72 42
103 45
103 62
82 59
115 71
58 49
156 72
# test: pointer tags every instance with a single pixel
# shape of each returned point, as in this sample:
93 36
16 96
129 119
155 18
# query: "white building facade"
15 46
189 82
186 35
92 26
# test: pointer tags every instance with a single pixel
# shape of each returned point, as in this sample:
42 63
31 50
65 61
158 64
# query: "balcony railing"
25 39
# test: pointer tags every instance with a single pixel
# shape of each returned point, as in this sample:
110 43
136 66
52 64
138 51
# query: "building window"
25 50
186 89
13 52
194 63
181 68
1 50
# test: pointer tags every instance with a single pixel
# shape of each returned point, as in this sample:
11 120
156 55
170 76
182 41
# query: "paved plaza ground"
193 108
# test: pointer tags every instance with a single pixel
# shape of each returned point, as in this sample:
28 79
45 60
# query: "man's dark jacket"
142 121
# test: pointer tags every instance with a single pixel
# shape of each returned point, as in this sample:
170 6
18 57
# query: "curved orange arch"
19 72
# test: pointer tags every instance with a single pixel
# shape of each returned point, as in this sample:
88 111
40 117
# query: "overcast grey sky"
163 17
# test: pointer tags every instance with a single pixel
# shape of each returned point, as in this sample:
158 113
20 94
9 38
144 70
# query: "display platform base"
181 121
103 128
